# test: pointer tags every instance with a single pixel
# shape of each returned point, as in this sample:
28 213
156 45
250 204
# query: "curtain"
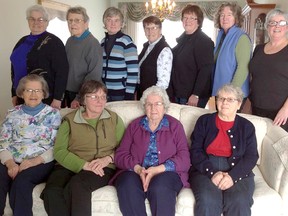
55 9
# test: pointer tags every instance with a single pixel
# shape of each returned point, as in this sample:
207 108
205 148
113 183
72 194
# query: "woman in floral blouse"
26 145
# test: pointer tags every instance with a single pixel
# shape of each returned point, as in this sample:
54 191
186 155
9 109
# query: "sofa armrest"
274 162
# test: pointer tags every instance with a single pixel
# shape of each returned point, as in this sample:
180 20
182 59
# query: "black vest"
148 69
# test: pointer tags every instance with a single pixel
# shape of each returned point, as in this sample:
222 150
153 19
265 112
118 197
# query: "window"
55 25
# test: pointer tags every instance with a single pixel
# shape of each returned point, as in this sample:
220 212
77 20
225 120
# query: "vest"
90 143
148 69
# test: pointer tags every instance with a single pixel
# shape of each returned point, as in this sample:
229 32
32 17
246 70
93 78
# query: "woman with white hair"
41 53
153 159
269 71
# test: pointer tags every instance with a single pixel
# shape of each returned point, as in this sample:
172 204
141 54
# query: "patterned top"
23 136
151 158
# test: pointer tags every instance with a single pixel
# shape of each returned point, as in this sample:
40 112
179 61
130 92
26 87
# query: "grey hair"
230 88
30 78
155 90
111 12
78 10
272 13
38 8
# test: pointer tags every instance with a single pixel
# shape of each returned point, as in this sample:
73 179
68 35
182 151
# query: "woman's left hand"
98 164
226 182
56 104
281 117
30 163
150 173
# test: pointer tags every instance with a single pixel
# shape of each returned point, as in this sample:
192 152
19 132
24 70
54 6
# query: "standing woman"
27 138
269 71
233 49
40 52
193 61
120 58
84 55
155 59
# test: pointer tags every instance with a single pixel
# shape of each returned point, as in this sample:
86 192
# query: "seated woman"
223 154
153 158
26 145
84 150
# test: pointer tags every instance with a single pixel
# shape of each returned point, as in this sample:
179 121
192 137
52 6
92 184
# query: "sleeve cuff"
48 156
4 156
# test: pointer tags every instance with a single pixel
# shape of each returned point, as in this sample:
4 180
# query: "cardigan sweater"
192 65
120 66
148 68
85 60
79 142
171 144
243 142
228 67
47 57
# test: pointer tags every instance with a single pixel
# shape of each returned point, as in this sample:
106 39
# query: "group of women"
152 155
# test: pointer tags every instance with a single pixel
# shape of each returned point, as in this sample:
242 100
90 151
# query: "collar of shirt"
145 123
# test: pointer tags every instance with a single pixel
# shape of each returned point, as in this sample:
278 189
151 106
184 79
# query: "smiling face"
33 93
190 23
152 32
95 104
154 108
113 24
37 23
227 19
76 24
277 32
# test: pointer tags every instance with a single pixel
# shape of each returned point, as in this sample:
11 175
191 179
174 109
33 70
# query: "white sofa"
271 172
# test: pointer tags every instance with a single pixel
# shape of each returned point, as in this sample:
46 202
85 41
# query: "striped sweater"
120 66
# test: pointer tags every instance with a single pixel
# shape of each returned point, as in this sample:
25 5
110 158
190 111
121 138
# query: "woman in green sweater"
84 150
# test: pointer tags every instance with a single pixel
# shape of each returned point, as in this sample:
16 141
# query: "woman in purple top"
153 159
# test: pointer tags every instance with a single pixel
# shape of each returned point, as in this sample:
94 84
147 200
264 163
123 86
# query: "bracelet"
112 160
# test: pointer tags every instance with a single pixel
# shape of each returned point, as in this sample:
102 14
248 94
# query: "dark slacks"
69 193
20 189
162 192
211 201
201 102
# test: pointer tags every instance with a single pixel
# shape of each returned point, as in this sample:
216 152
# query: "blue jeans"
162 192
211 201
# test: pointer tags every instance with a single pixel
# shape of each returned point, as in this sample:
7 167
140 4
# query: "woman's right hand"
13 168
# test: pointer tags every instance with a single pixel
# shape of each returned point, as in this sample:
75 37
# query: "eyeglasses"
154 28
229 100
36 91
275 23
77 21
95 97
39 20
189 19
157 105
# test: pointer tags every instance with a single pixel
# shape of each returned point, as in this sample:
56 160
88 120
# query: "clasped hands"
222 180
147 174
96 166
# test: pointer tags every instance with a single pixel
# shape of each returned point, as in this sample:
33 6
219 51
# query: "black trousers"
69 193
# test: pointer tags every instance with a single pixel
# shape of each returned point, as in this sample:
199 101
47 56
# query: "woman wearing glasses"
193 61
153 159
223 153
84 150
233 49
84 55
42 53
269 71
27 138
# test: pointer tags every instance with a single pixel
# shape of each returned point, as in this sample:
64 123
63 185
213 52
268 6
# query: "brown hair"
189 9
90 86
152 19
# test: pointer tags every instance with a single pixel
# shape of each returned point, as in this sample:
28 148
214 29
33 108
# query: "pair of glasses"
229 100
189 19
36 91
77 21
39 20
154 28
275 23
157 105
96 97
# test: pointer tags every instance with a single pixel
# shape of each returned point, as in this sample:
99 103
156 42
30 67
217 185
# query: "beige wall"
13 26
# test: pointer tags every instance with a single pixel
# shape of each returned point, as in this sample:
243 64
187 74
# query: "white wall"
13 26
